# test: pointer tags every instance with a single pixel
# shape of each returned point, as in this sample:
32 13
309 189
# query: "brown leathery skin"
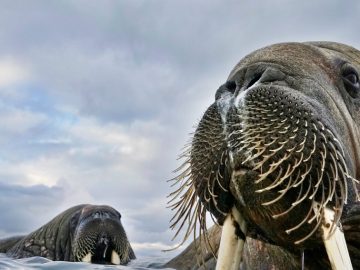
282 136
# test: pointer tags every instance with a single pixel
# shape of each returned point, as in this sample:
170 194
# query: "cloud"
11 73
23 208
97 100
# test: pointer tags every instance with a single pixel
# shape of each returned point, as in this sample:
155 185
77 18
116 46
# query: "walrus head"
99 236
281 136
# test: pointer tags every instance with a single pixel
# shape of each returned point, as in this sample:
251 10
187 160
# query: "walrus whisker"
273 167
331 185
298 201
298 198
352 178
296 178
291 150
317 214
185 164
217 208
219 182
191 226
276 179
183 212
204 232
302 144
316 186
290 230
277 149
259 153
289 171
175 194
279 197
182 203
183 177
272 142
262 162
344 187
184 196
303 175
334 167
313 149
309 235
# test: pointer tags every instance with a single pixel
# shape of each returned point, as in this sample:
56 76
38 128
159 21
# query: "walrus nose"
103 239
253 76
262 75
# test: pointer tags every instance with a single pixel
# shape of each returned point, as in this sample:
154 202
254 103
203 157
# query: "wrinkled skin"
282 136
73 234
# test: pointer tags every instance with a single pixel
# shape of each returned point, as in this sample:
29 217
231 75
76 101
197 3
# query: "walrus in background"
276 157
88 233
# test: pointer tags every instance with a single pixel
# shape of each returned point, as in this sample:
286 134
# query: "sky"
98 98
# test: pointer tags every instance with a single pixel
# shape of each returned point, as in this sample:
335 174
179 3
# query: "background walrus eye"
351 81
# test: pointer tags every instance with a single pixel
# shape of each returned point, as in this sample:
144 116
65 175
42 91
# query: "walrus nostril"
228 87
103 239
254 80
231 86
270 74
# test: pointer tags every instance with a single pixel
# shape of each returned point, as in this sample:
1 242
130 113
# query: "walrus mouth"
101 242
280 144
102 252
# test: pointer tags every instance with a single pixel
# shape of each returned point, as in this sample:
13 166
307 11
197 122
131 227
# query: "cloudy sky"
97 98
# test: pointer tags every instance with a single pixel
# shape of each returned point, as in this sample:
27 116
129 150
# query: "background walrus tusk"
231 245
335 243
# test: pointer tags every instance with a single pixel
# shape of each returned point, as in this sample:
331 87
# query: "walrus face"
282 135
99 236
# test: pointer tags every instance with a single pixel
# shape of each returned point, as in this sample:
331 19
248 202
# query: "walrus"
88 233
277 155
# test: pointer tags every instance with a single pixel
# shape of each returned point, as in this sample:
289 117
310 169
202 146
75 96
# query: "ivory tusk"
335 243
231 246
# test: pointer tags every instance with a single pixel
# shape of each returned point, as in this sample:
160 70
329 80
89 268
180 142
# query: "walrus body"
88 233
265 256
280 143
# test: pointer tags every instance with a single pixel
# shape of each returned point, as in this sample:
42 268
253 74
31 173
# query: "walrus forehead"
296 58
97 210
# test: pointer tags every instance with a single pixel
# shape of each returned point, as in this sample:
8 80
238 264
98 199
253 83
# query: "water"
144 263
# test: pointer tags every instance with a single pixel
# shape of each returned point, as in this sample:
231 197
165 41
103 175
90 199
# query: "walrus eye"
352 78
351 81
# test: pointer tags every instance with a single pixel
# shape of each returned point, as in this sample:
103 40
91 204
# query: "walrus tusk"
231 245
115 259
335 243
87 258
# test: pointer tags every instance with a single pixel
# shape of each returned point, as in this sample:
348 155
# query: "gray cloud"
24 208
103 96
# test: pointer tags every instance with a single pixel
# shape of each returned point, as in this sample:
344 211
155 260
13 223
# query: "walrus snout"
101 238
285 139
